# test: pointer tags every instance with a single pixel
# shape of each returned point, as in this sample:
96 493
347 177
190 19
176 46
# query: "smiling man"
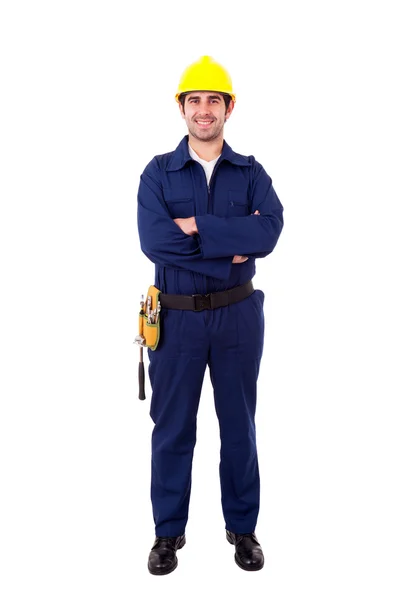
205 214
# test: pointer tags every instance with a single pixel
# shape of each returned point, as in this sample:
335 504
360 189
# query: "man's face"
205 115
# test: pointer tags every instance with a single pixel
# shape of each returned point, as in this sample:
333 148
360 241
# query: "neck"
207 150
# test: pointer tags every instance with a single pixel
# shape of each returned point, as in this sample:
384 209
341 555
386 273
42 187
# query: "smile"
204 123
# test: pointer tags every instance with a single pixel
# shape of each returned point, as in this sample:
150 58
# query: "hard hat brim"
233 96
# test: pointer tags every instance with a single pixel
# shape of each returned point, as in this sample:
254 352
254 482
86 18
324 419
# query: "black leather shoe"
162 558
249 555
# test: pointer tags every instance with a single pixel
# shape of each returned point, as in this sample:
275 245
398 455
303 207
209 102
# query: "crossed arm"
189 227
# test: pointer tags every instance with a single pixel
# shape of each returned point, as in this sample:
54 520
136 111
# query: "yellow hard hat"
205 75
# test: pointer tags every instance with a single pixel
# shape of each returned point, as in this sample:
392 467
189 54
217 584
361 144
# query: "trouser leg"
176 373
235 356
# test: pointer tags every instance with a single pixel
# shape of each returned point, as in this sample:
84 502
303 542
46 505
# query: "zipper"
211 180
207 278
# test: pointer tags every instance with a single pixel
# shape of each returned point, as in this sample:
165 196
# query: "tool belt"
198 302
149 320
149 316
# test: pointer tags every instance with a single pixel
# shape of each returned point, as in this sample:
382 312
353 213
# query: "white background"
87 99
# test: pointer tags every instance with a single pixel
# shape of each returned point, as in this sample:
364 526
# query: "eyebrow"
211 97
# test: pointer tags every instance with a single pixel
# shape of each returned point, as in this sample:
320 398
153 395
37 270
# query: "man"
205 213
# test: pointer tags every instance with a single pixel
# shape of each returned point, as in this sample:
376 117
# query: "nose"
203 106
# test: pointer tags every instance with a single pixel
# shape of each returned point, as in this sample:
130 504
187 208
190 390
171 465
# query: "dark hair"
227 99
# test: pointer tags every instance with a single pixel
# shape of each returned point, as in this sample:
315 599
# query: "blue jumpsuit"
229 340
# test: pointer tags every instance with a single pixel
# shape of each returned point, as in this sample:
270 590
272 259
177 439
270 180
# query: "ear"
229 110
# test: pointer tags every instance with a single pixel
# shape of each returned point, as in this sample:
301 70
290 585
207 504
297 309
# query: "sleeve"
162 241
254 235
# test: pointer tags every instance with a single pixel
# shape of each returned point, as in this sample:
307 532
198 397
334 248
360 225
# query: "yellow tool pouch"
150 331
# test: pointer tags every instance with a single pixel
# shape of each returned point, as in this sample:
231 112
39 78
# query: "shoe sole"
239 564
173 566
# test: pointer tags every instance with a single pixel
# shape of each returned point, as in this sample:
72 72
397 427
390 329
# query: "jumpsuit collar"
181 156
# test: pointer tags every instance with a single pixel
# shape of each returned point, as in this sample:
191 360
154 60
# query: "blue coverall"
229 340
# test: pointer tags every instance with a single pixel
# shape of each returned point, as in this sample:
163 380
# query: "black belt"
197 302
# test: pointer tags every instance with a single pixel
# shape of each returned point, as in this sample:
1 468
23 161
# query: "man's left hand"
188 225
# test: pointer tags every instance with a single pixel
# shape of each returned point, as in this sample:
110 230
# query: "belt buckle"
201 302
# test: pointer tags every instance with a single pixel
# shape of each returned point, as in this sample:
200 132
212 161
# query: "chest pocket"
180 204
237 204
